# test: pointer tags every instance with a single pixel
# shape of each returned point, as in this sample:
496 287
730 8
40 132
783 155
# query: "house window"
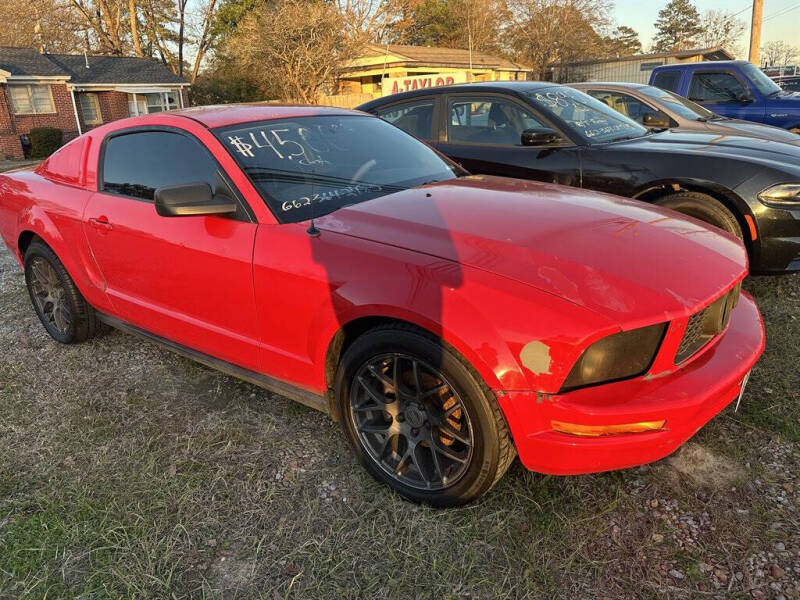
31 99
90 109
152 103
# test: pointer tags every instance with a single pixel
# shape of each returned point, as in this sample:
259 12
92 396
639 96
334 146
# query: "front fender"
515 336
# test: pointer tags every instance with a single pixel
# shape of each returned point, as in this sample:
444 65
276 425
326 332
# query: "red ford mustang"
446 321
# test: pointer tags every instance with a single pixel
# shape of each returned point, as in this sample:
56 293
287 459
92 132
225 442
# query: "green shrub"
45 141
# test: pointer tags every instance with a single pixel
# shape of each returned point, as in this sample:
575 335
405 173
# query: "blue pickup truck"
732 88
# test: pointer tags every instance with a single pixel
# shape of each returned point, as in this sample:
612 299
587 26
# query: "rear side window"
415 118
137 164
667 80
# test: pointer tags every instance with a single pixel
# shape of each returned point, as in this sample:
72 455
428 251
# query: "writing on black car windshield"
588 116
310 166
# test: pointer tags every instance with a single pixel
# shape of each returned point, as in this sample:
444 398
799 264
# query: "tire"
400 395
61 308
703 207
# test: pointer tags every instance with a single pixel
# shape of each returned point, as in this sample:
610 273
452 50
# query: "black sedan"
661 109
533 130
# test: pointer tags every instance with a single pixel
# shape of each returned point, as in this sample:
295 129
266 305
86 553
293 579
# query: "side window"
715 87
488 121
136 164
624 104
415 118
667 80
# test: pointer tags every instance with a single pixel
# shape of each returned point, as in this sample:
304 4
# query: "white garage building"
635 68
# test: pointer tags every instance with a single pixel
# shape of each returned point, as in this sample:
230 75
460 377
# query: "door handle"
101 223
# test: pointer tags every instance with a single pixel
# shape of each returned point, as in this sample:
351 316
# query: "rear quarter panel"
52 211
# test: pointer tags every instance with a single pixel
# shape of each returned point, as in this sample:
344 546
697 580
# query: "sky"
641 14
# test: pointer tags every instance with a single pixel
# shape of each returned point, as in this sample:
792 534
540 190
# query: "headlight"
784 195
617 356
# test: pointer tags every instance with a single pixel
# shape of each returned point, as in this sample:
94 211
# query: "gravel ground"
127 471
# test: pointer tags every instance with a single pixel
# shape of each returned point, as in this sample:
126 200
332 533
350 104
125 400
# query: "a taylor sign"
396 85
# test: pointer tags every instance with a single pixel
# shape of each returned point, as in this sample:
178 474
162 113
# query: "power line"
783 12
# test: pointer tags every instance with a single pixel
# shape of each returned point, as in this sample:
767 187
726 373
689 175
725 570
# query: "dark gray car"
661 109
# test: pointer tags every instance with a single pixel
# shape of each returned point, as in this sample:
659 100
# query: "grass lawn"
127 471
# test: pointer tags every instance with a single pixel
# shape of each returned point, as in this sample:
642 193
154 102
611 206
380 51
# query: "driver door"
188 279
483 133
720 91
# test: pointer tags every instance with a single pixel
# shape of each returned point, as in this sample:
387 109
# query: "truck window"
667 80
715 87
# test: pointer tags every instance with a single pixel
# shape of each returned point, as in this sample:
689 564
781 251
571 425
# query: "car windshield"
587 116
763 83
678 104
306 167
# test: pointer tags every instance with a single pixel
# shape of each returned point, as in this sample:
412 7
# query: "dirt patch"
705 466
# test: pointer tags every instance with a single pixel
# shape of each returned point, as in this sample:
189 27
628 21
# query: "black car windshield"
587 116
678 104
310 166
763 83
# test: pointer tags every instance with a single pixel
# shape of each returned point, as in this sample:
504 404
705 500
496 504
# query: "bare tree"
292 48
103 18
562 31
204 37
52 25
779 53
721 28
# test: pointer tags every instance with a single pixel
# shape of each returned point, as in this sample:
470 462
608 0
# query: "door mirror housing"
656 120
540 136
745 97
191 199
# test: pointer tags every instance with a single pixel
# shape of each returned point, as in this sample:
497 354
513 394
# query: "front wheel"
419 419
703 207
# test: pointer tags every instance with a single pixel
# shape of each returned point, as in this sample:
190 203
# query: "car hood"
771 153
630 261
738 127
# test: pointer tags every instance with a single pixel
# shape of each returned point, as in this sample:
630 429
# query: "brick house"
75 93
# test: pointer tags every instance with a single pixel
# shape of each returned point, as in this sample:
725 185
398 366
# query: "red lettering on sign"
450 80
439 81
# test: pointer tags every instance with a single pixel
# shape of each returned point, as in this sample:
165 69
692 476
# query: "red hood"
624 259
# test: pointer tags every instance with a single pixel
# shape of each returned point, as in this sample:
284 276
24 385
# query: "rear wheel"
61 308
419 419
703 207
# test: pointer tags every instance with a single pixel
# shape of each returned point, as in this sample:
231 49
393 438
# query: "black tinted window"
715 87
415 118
667 80
488 121
136 164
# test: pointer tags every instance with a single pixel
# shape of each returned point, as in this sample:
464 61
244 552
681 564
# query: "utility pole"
755 32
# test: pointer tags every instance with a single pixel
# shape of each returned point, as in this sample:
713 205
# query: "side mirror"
745 97
191 199
656 120
540 136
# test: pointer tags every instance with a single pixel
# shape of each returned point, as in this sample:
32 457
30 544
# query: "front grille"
707 324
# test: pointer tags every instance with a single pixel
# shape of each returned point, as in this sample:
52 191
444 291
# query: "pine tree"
677 26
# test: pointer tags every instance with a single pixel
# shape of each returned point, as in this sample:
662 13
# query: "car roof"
486 86
609 84
222 115
704 63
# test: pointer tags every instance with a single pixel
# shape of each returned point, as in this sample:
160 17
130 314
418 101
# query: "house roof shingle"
27 61
102 69
437 55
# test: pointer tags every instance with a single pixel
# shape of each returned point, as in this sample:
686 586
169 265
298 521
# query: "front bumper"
687 399
779 247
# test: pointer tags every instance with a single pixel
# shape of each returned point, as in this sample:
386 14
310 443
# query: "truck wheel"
61 308
703 207
419 419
